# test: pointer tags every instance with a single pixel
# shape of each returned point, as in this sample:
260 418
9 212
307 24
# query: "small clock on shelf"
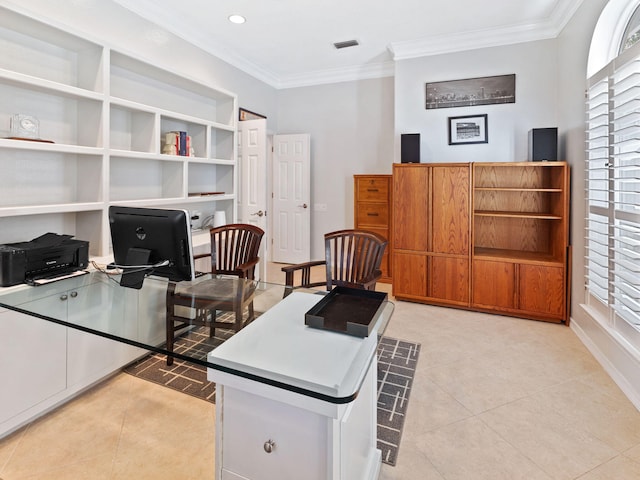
25 126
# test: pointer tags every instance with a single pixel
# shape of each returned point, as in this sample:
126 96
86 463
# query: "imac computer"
151 241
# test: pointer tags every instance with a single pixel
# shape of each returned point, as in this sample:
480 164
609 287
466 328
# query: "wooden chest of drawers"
372 211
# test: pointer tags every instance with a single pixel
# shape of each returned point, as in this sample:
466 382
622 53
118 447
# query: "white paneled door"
252 185
291 198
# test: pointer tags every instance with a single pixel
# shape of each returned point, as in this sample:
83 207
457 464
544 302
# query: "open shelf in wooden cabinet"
520 210
519 256
507 214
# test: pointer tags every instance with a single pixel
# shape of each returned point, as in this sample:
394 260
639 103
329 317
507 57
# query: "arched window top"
617 22
631 34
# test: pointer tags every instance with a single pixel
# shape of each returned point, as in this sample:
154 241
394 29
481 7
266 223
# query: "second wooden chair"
352 259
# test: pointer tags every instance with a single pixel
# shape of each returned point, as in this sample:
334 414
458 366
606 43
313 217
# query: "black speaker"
543 144
410 148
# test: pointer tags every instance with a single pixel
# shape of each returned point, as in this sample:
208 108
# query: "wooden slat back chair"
234 251
352 259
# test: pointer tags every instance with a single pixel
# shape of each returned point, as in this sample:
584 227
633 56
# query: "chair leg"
170 339
251 313
238 325
212 328
212 325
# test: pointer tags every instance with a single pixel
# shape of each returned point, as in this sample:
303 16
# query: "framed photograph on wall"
468 129
244 114
470 92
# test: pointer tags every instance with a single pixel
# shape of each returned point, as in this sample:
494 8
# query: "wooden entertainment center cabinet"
491 237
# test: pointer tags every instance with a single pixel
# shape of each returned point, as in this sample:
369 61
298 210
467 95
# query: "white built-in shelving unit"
106 113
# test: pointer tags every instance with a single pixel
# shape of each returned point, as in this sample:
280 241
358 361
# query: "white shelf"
53 208
107 113
211 161
164 202
11 144
47 86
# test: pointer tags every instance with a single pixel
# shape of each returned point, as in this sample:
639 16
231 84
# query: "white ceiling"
289 43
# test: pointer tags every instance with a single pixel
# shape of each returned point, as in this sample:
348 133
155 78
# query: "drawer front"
249 422
373 189
373 214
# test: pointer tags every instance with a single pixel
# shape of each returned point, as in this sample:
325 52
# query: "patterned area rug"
397 361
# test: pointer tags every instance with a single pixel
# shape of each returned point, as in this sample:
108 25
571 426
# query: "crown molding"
564 11
458 42
337 75
229 56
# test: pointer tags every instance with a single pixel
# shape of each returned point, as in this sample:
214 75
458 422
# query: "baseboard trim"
615 356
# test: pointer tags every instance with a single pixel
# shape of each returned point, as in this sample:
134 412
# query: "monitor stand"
134 278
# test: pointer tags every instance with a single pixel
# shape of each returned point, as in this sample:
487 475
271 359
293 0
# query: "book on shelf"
182 144
177 143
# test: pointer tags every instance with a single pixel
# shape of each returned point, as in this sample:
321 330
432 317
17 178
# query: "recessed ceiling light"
237 18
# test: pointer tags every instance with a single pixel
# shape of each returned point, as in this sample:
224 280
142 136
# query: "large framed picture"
470 92
468 129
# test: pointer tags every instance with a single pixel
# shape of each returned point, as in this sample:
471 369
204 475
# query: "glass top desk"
277 348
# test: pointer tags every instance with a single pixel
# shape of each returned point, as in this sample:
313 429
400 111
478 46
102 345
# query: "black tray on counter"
347 310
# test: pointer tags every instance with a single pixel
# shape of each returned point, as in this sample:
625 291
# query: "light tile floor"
494 398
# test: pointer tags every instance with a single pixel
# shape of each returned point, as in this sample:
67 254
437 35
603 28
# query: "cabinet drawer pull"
372 214
372 190
269 446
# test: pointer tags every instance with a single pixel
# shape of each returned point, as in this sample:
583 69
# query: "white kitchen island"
294 402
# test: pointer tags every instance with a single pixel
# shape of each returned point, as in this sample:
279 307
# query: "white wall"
573 50
535 65
351 127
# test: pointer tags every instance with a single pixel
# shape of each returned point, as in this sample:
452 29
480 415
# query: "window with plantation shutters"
613 189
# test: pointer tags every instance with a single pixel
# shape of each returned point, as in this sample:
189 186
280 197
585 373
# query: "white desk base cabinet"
294 402
311 439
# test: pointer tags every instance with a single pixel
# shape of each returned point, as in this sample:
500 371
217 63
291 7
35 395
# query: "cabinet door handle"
63 297
74 294
269 446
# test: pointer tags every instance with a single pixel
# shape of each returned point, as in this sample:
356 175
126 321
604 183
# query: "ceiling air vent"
347 44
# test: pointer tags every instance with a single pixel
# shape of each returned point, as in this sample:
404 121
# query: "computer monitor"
151 241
